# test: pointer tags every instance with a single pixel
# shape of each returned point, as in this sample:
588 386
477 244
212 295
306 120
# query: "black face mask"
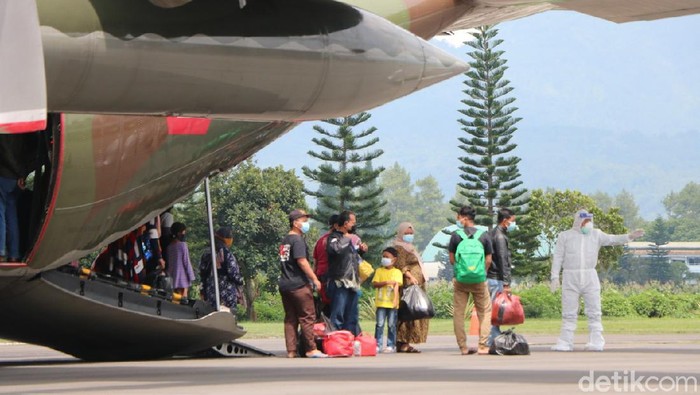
353 229
182 238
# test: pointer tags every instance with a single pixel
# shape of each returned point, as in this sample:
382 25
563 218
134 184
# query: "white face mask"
386 262
586 229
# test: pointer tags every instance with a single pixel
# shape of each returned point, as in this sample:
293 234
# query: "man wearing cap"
296 277
577 252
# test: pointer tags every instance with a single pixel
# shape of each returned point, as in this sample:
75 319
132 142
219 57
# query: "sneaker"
559 347
591 347
389 350
562 346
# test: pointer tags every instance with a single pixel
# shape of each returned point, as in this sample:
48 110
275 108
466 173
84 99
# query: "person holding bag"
411 265
498 274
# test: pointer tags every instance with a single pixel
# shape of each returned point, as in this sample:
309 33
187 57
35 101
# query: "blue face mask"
408 238
305 226
512 227
459 224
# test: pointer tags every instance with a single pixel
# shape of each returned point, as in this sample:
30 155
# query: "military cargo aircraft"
132 103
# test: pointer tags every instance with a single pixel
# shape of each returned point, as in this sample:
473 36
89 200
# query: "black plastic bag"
160 280
509 343
415 304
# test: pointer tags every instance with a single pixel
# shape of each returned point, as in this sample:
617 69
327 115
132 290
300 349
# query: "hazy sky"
605 107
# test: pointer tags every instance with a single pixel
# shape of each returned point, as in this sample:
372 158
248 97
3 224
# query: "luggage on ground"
509 343
338 343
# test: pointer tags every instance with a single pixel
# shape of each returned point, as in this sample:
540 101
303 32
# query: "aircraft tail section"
22 77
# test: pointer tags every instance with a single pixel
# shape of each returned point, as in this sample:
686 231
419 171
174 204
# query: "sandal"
468 351
409 349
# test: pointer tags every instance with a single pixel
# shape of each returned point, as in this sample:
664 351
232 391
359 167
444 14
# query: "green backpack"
469 259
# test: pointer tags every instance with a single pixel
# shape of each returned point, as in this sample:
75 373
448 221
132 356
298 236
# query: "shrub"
651 303
441 294
268 307
683 305
614 304
368 310
539 302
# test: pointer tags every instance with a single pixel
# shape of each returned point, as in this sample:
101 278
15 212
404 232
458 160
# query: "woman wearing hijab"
227 270
410 264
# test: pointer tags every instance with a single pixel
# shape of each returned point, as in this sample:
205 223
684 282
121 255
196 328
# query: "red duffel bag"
506 309
368 344
338 344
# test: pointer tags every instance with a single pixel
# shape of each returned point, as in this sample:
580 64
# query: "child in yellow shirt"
387 280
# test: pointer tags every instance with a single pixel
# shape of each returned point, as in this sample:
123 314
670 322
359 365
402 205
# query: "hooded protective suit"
577 253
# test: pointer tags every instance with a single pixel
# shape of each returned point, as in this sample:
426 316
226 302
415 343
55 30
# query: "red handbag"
506 309
368 344
338 344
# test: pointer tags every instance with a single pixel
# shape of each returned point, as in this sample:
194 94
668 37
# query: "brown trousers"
299 310
482 302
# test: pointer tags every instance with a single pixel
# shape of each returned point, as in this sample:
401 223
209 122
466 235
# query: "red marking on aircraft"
184 125
22 127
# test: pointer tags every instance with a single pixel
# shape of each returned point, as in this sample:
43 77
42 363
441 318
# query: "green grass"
627 325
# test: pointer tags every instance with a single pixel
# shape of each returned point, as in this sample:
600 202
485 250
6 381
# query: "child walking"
387 280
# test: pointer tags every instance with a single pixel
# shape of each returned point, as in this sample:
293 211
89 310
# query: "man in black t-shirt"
296 277
479 291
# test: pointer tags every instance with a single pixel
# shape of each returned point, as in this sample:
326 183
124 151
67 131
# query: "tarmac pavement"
665 363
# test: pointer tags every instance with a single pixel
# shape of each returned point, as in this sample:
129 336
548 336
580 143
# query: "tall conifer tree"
347 180
490 175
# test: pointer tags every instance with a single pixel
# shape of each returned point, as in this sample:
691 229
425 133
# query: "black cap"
296 214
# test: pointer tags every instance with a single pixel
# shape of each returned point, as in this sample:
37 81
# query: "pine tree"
347 180
490 175
659 235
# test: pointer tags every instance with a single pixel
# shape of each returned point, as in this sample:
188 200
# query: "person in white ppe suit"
577 252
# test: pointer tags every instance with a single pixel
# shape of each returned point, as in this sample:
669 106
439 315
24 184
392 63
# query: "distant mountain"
590 160
605 107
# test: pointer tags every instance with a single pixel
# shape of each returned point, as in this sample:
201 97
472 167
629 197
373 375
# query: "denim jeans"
495 286
390 316
345 313
9 227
